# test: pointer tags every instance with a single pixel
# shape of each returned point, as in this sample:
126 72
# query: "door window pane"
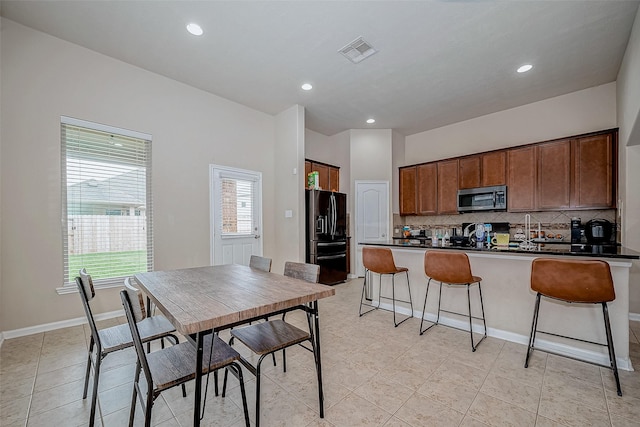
237 206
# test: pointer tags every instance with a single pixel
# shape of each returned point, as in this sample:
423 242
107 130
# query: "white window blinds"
237 206
106 202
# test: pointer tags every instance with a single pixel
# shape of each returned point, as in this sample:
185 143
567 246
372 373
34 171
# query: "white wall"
44 78
579 112
289 194
398 155
628 85
371 159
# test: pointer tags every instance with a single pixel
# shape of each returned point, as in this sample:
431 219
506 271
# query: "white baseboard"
541 344
634 316
57 325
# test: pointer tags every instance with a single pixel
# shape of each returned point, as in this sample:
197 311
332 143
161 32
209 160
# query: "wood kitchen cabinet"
469 171
593 166
483 170
554 175
494 168
570 173
448 187
408 194
328 175
307 170
427 189
323 175
521 179
334 179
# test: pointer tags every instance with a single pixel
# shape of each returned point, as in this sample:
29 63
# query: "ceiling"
438 62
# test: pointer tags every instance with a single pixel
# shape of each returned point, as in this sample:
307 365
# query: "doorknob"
384 235
257 236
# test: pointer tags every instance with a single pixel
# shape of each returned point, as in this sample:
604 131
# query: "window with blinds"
237 206
106 202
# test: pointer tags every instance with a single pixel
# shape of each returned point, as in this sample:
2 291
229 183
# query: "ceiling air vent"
357 50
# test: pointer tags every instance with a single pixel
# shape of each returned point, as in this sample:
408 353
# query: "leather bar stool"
452 268
380 261
574 281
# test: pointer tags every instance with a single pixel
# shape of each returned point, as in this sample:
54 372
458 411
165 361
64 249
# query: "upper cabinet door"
469 172
494 168
448 187
408 190
427 188
554 175
334 179
323 175
593 172
521 179
307 170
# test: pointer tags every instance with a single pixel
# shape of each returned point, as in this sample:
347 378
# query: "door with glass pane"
236 215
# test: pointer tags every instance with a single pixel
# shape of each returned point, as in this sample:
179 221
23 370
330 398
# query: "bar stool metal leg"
534 327
612 353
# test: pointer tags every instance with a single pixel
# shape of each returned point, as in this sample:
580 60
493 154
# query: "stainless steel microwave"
483 199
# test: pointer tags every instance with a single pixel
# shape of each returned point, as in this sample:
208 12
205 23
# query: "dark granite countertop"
566 249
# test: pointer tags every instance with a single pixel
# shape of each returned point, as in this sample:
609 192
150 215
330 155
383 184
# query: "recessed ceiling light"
195 29
370 121
525 68
306 86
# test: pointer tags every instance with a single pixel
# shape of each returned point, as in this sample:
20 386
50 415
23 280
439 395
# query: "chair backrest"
448 267
299 270
137 300
87 292
260 263
135 334
586 281
87 283
378 260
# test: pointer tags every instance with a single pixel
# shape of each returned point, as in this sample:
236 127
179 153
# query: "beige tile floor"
375 375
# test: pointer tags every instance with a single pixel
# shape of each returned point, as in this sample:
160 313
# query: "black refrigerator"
327 234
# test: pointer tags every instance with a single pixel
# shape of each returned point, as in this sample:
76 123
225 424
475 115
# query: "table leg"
318 362
198 390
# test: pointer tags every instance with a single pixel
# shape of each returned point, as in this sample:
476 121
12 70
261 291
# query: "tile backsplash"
557 222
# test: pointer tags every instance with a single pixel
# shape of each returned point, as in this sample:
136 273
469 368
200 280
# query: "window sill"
71 288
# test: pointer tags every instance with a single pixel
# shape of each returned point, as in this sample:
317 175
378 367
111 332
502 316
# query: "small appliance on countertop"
577 231
593 232
599 232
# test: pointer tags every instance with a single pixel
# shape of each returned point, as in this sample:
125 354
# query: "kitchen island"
509 301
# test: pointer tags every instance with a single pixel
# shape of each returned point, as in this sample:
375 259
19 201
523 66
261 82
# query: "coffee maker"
577 230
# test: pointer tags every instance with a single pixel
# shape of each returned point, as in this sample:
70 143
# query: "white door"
236 214
372 216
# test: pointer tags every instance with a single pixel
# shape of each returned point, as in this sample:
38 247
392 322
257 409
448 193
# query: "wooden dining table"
203 300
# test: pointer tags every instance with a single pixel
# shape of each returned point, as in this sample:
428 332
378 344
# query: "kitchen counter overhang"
509 300
551 249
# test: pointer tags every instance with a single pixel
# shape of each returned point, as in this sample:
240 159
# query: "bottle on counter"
445 239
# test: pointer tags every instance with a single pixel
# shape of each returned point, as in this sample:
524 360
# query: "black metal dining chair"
175 365
114 338
274 335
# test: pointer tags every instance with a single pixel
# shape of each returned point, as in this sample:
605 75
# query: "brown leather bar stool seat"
453 269
574 281
380 261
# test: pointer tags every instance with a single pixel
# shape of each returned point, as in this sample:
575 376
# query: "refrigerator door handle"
334 214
